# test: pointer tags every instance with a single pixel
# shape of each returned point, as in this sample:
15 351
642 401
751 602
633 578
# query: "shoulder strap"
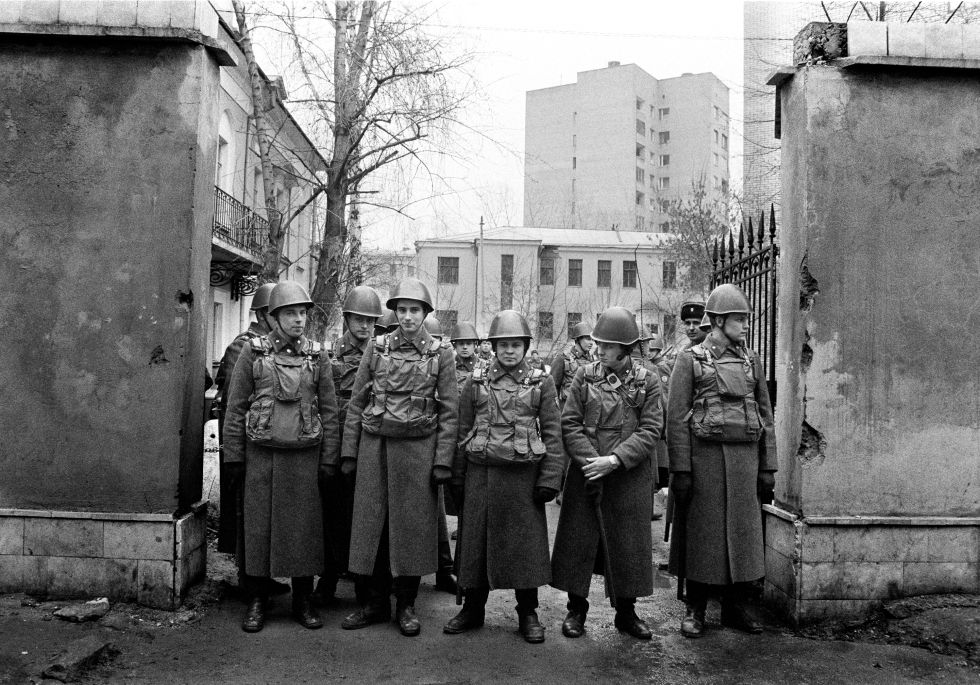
703 358
592 372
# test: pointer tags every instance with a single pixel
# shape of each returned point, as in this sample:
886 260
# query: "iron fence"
751 265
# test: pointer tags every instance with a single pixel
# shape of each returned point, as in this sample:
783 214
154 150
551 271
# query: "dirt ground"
202 643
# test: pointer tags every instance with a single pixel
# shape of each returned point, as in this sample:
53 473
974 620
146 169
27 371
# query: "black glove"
441 474
457 490
348 466
544 495
235 473
682 485
765 485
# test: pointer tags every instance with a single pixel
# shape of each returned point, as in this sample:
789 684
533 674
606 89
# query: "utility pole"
478 310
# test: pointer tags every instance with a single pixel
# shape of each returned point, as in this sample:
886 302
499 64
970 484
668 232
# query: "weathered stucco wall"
881 192
106 168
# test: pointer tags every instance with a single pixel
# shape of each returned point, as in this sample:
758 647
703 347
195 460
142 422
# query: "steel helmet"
464 331
705 324
288 293
363 300
386 323
692 309
727 298
410 289
260 300
616 325
581 330
509 324
433 325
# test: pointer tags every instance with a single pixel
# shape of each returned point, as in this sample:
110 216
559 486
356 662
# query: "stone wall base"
823 567
151 559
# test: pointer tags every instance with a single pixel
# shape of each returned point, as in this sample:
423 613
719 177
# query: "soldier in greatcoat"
229 528
611 421
572 359
400 438
281 430
361 310
507 467
465 340
722 462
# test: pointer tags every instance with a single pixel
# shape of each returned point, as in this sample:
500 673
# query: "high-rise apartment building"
611 148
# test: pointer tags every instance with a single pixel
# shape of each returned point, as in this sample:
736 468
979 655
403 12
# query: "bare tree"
381 93
696 221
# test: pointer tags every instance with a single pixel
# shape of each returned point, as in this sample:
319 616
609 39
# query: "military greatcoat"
338 499
630 433
283 525
394 474
724 541
504 535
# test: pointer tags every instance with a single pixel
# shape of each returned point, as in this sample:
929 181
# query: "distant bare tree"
696 221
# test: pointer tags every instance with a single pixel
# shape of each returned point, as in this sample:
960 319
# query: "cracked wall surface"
107 152
879 413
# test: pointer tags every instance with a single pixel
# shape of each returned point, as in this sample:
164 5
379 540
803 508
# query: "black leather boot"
368 614
305 613
531 629
254 615
693 624
469 617
407 621
574 623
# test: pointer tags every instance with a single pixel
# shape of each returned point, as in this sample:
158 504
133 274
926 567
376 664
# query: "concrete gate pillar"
108 125
878 418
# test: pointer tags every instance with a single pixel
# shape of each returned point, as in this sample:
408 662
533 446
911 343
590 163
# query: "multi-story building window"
724 142
629 274
665 206
573 319
639 104
573 162
546 325
640 175
724 186
665 227
604 274
641 223
663 112
546 271
664 137
664 160
663 183
639 198
670 328
506 281
670 274
448 271
640 150
575 272
447 319
716 137
641 128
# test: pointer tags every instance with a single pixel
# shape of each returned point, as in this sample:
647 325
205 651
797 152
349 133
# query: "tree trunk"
326 289
273 247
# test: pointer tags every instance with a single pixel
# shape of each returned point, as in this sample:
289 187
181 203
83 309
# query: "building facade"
554 277
240 229
613 147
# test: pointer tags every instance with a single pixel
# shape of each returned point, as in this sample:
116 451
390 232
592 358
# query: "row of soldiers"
381 427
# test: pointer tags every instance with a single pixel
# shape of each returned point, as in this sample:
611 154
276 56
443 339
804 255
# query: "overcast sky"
533 44
529 44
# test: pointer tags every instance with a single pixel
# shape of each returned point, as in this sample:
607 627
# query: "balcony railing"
238 224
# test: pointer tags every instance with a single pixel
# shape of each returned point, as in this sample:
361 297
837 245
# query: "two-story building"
555 277
240 230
